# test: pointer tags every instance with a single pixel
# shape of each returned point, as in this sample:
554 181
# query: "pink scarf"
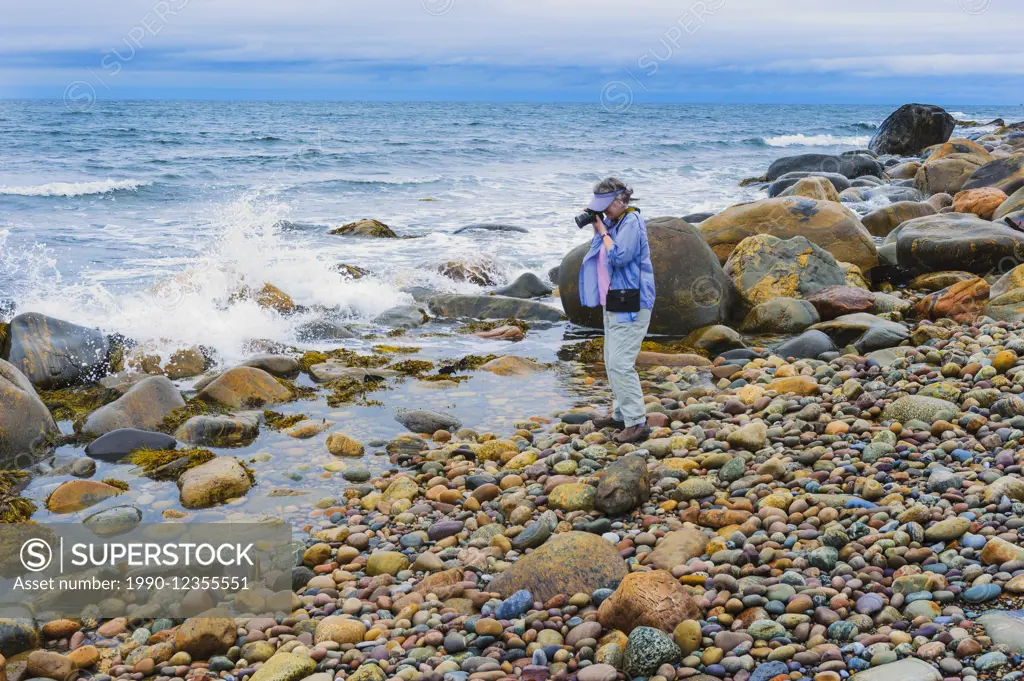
604 277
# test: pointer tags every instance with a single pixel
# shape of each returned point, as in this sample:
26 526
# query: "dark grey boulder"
144 407
27 429
427 421
956 241
912 128
403 317
53 353
816 164
526 285
117 444
452 306
321 329
807 345
490 227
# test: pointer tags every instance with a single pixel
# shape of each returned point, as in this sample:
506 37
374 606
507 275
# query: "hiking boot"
609 422
632 435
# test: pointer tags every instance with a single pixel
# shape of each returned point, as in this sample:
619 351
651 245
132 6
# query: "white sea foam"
802 140
197 304
74 188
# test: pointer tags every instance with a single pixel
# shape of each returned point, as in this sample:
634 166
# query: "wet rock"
340 444
864 331
961 302
512 365
245 387
52 353
143 407
1005 174
526 285
16 637
203 637
917 407
403 317
366 228
714 339
117 444
817 188
574 496
849 166
213 482
884 220
569 563
647 649
835 301
27 430
453 306
809 344
113 521
981 202
218 431
426 421
693 291
284 366
955 241
75 495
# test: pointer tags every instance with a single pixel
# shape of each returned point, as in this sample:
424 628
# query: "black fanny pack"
623 300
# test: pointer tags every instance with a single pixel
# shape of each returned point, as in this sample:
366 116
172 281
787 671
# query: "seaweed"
478 326
395 349
299 392
193 407
275 420
249 472
310 358
75 404
348 357
114 482
396 333
13 507
168 464
351 390
413 367
467 363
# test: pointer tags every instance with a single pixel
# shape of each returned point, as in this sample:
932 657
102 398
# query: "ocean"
101 209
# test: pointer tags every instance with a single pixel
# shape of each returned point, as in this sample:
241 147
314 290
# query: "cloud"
403 46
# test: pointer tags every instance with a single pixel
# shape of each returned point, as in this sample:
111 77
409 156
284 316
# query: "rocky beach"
832 487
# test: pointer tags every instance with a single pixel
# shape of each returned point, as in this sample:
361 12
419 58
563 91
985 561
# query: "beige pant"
621 346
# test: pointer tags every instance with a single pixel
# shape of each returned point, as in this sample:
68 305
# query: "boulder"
808 345
491 227
624 486
1013 279
27 429
480 271
52 353
714 339
692 289
851 166
1009 307
204 637
946 175
827 224
452 306
784 182
904 171
143 407
113 521
366 228
284 667
648 599
341 630
245 387
213 482
572 496
182 363
1014 203
284 366
512 365
936 281
403 317
568 563
882 221
960 148
677 548
962 302
912 128
17 636
919 407
218 431
982 202
1006 174
426 421
647 649
835 301
764 267
75 495
526 285
817 188
956 241
117 444
863 331
780 315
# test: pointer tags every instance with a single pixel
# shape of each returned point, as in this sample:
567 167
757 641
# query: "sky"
752 51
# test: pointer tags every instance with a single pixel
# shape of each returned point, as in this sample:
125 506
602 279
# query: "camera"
587 218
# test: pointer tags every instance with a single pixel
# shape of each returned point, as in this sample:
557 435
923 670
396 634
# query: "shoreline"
847 501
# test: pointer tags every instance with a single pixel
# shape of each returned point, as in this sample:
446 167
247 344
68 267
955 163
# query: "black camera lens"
587 218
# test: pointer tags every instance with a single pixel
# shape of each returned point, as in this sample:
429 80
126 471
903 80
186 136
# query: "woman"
617 275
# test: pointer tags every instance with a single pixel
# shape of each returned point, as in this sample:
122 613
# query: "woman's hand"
599 227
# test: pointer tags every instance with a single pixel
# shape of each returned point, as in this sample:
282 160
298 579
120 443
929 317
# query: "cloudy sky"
828 51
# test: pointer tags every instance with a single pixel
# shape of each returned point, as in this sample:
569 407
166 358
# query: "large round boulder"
53 353
780 315
911 128
882 221
245 387
143 407
648 599
764 267
847 165
960 148
1013 204
839 182
830 225
817 188
26 427
213 482
692 289
944 176
569 563
956 241
1006 174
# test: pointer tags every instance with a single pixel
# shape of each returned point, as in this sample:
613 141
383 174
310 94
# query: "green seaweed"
478 326
13 507
353 391
396 349
275 420
75 404
299 392
115 482
592 351
413 367
157 463
396 333
193 407
310 358
467 363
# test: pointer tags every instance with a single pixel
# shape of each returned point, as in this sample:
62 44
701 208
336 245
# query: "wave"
802 140
68 189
